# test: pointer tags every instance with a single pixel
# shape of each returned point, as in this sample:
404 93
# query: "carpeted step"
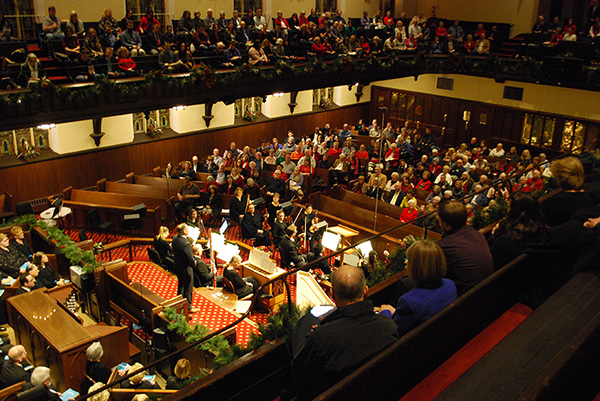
466 357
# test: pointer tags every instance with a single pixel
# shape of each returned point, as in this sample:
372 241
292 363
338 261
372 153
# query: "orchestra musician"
289 250
253 227
238 205
273 207
278 227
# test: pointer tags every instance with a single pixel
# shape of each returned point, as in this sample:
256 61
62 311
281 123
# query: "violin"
266 226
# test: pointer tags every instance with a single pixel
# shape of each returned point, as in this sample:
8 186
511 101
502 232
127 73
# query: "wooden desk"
53 338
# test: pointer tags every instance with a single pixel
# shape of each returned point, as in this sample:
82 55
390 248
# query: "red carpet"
461 361
212 315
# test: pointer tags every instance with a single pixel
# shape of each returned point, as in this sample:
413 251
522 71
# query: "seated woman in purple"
426 266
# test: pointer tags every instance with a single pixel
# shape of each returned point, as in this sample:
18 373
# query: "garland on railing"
205 78
393 265
495 211
63 242
280 325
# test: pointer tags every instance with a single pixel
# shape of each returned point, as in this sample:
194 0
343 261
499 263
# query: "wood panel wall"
39 179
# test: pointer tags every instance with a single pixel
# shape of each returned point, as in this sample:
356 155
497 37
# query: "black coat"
289 252
182 252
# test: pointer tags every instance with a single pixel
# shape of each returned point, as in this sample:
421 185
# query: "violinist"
278 227
273 207
238 205
289 250
254 227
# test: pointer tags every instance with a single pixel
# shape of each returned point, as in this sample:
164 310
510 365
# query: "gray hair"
94 351
40 375
104 395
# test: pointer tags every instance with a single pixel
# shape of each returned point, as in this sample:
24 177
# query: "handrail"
282 277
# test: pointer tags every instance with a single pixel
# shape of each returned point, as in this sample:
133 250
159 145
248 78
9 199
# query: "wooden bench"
364 202
114 206
146 191
161 182
423 349
551 355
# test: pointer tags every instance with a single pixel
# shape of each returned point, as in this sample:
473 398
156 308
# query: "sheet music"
193 233
225 251
262 260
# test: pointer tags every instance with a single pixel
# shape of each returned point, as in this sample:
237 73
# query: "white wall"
277 106
75 136
87 10
520 13
543 98
190 119
344 97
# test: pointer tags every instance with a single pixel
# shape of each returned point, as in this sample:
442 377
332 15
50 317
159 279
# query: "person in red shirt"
147 22
424 183
392 156
479 31
409 213
388 17
469 44
281 21
441 31
126 63
335 150
306 168
535 183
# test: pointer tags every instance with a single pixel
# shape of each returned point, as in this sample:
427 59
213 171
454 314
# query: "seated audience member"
182 375
16 368
51 28
498 151
426 266
11 262
252 189
40 376
324 352
360 186
137 381
480 198
192 220
169 62
31 72
126 64
234 56
46 277
242 286
161 245
396 195
106 65
569 175
27 281
153 42
524 225
84 67
131 40
467 252
379 176
70 44
203 274
97 370
19 245
214 205
229 187
410 212
275 184
187 198
104 395
338 173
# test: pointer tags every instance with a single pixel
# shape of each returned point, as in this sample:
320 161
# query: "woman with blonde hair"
569 175
137 381
242 286
31 71
161 245
182 375
426 265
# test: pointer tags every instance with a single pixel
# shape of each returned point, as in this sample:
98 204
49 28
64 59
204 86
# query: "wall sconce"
278 94
466 118
179 108
46 126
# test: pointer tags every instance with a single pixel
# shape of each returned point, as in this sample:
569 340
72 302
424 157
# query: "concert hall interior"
344 199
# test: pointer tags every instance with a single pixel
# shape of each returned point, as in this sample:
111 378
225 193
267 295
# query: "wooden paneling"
39 179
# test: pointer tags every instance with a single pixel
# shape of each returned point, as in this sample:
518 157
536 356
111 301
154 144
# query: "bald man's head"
17 353
348 283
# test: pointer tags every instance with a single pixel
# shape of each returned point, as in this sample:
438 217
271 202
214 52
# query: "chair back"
94 217
170 265
23 208
83 235
154 256
228 286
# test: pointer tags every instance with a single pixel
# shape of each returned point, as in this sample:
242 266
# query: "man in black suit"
184 264
275 184
16 369
203 274
27 282
289 249
396 195
196 165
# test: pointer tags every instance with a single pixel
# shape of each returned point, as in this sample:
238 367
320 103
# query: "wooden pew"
146 191
114 206
362 220
364 202
546 356
423 349
7 207
161 182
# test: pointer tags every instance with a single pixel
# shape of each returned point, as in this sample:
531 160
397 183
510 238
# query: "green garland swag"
280 325
63 242
205 78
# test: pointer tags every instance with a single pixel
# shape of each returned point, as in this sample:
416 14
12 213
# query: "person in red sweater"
335 150
147 22
424 183
126 64
441 31
409 213
392 156
535 183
